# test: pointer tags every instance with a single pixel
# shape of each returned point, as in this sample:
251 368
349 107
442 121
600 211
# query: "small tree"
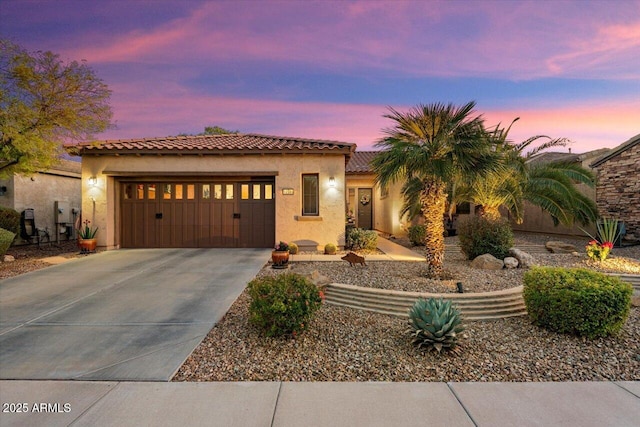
45 102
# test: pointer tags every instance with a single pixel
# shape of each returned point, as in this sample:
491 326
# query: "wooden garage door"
214 214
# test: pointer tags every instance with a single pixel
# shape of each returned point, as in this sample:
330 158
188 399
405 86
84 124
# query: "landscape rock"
318 279
487 262
558 247
8 258
525 260
511 262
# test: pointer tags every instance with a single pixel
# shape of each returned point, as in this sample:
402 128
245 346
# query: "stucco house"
369 206
539 221
54 195
234 190
618 185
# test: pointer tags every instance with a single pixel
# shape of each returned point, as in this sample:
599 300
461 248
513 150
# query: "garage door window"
310 195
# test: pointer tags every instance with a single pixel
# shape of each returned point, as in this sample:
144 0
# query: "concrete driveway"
118 315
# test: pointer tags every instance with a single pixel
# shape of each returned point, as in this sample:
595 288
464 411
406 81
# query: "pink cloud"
592 126
528 40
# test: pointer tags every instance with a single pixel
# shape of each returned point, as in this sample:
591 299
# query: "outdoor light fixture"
332 182
93 181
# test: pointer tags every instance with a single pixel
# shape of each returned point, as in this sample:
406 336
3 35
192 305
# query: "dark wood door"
365 208
257 215
185 215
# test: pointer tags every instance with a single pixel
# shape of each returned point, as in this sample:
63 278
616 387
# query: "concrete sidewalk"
392 252
63 403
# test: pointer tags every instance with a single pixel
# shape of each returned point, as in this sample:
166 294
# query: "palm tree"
551 186
427 148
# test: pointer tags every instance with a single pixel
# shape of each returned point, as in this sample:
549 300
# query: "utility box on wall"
62 212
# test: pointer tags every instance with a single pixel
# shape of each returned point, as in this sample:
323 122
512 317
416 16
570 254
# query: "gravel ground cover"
27 257
344 344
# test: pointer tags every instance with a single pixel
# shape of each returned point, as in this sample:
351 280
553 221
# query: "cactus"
435 324
330 249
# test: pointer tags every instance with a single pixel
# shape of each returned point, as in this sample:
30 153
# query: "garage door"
182 214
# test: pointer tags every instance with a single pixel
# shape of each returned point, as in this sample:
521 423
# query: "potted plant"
280 255
87 238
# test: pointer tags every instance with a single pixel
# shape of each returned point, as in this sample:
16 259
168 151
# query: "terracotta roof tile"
360 162
211 144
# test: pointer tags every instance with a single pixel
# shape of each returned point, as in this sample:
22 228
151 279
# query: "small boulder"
525 260
8 258
558 247
510 262
487 262
318 279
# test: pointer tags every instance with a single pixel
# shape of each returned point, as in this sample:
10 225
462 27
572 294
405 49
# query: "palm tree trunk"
492 213
433 199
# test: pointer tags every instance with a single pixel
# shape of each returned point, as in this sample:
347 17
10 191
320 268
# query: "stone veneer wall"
618 188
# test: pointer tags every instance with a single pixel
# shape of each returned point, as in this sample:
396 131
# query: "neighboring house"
539 221
618 185
235 190
45 192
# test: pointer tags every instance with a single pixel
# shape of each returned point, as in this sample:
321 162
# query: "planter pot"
280 259
87 245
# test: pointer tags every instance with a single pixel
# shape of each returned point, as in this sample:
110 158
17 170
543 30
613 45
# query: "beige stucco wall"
39 192
100 203
539 221
386 209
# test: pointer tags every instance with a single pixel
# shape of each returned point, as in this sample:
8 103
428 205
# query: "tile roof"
360 162
210 144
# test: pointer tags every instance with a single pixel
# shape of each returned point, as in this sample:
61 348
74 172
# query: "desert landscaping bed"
344 344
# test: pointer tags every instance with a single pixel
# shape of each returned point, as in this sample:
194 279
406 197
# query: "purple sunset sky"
330 69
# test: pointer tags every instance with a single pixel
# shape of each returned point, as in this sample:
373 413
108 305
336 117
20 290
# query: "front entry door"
365 208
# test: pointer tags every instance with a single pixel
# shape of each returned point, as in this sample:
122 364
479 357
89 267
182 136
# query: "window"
310 195
463 208
268 191
244 191
166 192
206 191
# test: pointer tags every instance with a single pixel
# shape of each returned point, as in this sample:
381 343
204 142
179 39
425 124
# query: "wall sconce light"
332 182
93 181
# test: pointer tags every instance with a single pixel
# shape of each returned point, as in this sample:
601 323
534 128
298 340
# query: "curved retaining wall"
474 306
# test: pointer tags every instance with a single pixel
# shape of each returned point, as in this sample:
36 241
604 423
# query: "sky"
331 69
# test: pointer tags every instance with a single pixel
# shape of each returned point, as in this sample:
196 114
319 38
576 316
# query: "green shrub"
435 324
330 249
358 238
479 236
282 305
10 220
417 234
576 301
6 238
293 248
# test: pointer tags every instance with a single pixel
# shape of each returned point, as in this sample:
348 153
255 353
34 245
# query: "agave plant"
435 324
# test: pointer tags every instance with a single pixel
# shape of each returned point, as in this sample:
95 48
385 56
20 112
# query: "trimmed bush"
358 238
283 305
417 234
293 248
479 235
576 301
6 238
330 249
10 220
